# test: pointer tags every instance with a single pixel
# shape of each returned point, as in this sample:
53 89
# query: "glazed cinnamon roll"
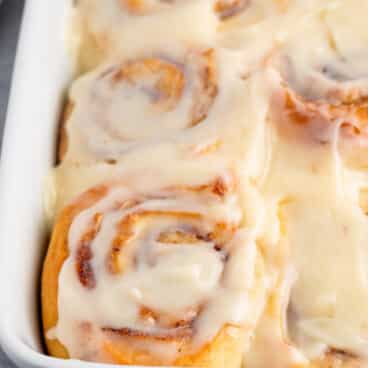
121 28
323 96
315 313
126 28
331 95
137 101
167 277
331 329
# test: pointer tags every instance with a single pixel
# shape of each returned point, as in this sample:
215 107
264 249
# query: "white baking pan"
42 72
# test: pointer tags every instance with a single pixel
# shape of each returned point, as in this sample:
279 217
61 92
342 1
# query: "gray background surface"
10 16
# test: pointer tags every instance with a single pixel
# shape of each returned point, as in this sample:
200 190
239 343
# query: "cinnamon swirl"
137 101
162 255
126 28
323 95
157 278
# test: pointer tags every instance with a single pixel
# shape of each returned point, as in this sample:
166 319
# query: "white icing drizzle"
207 277
110 30
185 100
289 116
313 185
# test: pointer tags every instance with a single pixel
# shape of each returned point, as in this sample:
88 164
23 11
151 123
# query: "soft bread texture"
224 349
159 96
56 256
278 91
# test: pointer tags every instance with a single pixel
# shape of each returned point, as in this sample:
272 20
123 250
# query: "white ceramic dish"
42 72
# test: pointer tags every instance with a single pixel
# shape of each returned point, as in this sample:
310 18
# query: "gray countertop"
10 16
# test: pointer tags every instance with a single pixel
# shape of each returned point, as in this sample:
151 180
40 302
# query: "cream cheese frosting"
278 92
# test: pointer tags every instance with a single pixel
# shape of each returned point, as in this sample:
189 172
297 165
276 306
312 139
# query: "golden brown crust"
56 255
224 350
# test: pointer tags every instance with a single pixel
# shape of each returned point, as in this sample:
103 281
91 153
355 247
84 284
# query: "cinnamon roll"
323 94
331 95
126 28
315 313
121 28
163 256
137 101
331 329
167 277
